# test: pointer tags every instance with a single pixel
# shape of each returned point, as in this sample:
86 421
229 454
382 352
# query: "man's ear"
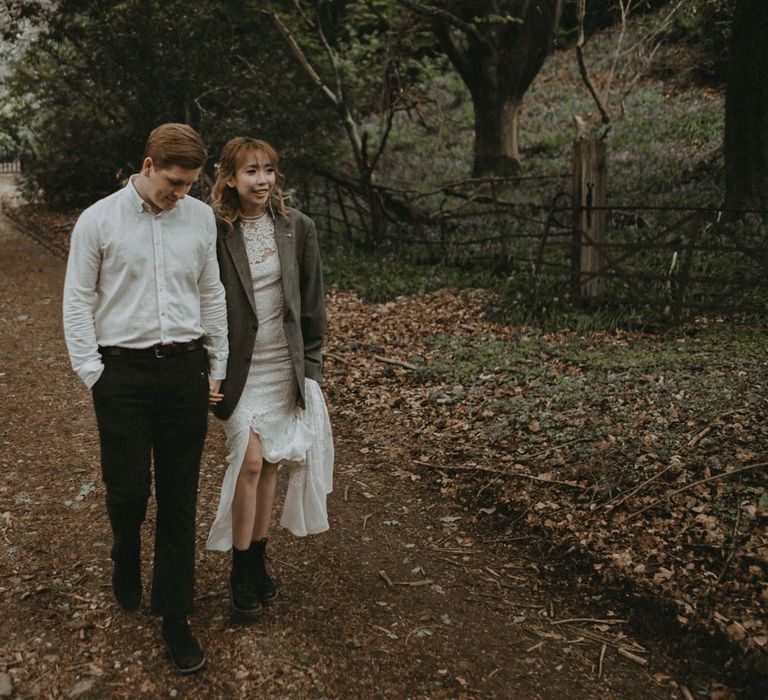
146 166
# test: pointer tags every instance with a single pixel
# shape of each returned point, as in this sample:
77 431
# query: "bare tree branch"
583 66
449 17
301 57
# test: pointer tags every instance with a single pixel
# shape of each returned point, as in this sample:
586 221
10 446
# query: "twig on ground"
611 506
386 578
704 431
734 535
393 361
632 657
547 450
346 492
588 619
336 357
600 662
414 584
621 644
722 475
282 562
306 669
536 646
446 550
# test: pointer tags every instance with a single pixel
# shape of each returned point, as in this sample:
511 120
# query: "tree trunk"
496 128
746 111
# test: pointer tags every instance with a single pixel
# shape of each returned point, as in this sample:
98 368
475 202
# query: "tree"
497 47
359 76
746 110
98 76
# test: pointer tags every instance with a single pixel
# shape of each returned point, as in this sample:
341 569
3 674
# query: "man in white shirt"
146 329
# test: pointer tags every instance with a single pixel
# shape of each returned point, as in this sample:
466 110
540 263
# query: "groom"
146 329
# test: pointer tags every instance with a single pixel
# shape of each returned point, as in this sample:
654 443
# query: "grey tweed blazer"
304 318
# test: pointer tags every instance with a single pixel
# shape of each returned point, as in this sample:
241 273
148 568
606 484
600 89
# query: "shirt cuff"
218 369
90 377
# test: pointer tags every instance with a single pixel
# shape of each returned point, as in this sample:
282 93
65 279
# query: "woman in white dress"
273 409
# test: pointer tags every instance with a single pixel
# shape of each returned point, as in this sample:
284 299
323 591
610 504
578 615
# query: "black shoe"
126 582
266 588
186 653
242 588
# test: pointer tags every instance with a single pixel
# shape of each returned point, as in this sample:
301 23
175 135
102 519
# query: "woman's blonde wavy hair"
224 199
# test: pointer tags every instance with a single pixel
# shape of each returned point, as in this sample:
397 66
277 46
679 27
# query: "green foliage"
383 275
679 353
705 26
98 77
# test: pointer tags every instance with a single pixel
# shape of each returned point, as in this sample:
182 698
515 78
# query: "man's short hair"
175 144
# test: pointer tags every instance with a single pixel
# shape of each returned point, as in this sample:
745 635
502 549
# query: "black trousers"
148 407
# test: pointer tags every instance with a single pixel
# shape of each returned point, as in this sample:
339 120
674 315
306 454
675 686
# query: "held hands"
214 396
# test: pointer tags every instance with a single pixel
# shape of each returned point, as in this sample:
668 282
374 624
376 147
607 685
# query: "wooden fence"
10 165
558 240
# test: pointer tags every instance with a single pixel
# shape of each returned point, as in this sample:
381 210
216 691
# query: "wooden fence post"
589 174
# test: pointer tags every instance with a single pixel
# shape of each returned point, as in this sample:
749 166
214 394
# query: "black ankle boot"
245 599
186 653
266 588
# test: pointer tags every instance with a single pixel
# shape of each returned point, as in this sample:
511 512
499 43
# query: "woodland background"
433 142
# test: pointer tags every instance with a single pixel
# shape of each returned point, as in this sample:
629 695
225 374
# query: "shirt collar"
137 203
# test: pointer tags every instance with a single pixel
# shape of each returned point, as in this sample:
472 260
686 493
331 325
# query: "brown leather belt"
158 350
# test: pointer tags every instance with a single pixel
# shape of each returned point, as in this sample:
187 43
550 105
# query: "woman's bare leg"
244 503
265 496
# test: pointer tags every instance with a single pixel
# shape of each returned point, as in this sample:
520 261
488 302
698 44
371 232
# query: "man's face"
165 187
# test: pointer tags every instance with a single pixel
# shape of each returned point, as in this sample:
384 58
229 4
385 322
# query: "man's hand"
214 396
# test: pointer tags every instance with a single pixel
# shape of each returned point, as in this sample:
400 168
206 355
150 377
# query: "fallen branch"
546 450
600 663
612 506
621 644
282 562
697 483
392 361
632 657
734 538
589 619
414 584
490 470
705 431
336 357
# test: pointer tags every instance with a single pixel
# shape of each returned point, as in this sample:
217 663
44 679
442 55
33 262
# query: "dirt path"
464 616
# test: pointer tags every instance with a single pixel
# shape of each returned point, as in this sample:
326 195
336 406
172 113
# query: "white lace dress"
299 440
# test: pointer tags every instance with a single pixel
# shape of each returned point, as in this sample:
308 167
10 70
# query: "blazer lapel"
286 245
236 247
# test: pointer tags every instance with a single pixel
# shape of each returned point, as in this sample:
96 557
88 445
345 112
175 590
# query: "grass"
665 150
606 382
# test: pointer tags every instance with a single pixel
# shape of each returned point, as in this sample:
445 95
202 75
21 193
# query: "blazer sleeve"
313 320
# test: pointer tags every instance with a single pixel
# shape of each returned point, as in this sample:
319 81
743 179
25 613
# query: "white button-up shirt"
136 279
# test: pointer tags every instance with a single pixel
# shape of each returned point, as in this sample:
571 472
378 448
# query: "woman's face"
254 180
